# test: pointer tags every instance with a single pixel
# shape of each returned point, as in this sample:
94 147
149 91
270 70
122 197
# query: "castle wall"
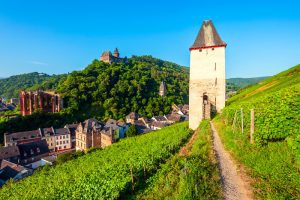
207 76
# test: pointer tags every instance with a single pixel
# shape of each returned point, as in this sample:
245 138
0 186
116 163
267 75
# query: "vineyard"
273 159
193 175
104 174
276 102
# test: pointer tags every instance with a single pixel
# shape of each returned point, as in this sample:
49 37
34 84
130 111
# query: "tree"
132 131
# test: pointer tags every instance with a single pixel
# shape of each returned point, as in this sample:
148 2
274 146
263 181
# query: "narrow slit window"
216 82
215 66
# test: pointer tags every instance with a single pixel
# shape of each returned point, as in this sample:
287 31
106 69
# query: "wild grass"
272 167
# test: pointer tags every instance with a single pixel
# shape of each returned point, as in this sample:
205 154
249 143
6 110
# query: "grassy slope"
273 166
272 84
244 82
102 174
189 176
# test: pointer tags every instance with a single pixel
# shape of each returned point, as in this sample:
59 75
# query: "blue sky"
56 37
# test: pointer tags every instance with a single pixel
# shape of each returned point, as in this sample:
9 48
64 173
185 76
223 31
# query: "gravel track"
234 187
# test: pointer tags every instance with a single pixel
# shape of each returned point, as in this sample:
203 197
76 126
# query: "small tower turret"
116 53
162 89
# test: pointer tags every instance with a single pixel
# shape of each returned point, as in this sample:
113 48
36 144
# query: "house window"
59 147
59 137
67 136
64 142
200 50
65 147
213 49
63 137
57 143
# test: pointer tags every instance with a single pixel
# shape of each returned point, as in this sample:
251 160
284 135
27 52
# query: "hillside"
244 82
276 149
10 87
112 91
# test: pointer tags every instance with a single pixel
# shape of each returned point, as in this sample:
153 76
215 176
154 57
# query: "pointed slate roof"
208 37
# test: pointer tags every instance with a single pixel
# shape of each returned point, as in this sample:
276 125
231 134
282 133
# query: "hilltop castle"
207 74
108 57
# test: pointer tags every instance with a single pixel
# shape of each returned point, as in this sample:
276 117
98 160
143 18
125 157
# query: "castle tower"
162 89
116 53
207 75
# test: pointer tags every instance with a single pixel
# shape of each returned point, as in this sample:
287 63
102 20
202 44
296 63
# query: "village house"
174 117
88 134
156 125
49 135
72 130
132 117
10 153
32 152
9 170
11 139
107 137
119 128
161 119
63 139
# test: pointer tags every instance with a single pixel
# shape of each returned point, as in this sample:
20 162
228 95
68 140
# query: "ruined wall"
207 76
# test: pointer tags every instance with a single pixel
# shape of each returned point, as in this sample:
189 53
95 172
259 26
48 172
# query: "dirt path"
184 151
234 184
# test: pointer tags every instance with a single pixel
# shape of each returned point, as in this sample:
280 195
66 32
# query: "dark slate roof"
8 152
107 131
72 128
159 124
160 118
48 131
25 135
174 117
90 124
207 36
61 131
33 149
7 173
106 53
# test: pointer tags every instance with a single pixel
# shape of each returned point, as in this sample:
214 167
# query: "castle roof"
208 37
106 53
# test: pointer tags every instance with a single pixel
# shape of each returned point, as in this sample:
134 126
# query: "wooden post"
242 119
252 125
234 120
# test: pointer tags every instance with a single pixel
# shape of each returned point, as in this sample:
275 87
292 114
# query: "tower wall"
207 77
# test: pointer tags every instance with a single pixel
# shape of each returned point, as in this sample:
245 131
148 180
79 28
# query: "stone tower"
116 53
207 75
162 89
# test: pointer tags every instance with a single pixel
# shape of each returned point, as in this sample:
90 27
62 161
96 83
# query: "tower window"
216 82
215 66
